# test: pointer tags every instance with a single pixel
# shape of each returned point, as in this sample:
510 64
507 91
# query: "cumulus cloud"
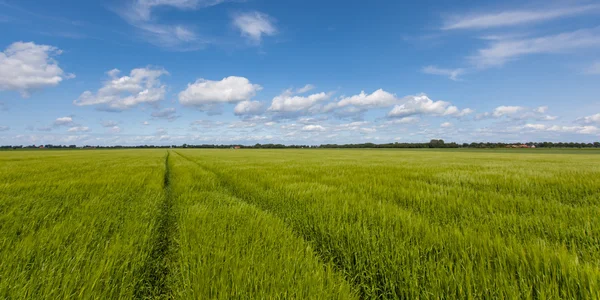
253 25
541 109
242 124
208 123
452 74
354 127
518 113
305 89
126 92
25 67
593 119
422 105
516 17
248 108
405 120
503 50
204 94
78 129
378 98
169 114
290 103
313 128
507 110
63 121
53 139
446 125
367 130
562 129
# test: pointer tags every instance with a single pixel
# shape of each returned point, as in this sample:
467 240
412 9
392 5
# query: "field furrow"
155 273
230 249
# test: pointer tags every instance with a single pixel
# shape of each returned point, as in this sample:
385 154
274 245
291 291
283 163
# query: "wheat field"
300 224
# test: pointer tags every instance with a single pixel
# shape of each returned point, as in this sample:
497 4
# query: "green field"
300 224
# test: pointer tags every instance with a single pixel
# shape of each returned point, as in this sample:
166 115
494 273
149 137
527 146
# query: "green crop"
300 224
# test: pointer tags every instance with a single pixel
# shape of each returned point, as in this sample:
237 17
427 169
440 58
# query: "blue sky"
136 72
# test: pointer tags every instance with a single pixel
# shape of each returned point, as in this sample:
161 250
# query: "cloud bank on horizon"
217 71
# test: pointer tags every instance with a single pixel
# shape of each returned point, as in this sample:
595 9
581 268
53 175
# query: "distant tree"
436 144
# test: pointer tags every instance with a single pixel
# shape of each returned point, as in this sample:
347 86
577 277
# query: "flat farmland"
300 224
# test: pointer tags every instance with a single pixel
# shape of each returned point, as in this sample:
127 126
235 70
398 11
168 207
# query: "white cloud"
452 74
405 120
145 123
593 119
25 67
142 9
313 128
422 105
353 126
518 113
208 123
517 17
287 102
501 111
52 139
546 118
248 108
367 130
535 126
176 38
446 125
563 129
114 129
242 124
206 93
305 89
167 114
109 123
63 121
4 128
253 25
79 129
379 98
541 109
502 51
121 93
138 13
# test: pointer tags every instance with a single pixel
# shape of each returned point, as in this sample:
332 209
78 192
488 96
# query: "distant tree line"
430 144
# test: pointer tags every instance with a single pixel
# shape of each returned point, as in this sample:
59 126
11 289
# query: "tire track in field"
231 190
154 275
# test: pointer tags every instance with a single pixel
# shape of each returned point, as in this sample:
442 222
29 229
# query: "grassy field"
300 224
